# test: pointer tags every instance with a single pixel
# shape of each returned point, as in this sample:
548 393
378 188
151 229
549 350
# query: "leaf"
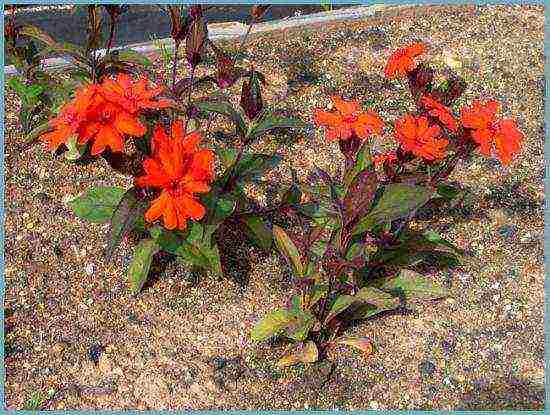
130 55
219 208
300 353
288 249
268 122
124 218
317 292
341 303
141 263
293 195
251 96
435 238
63 48
192 254
227 156
97 204
360 195
195 40
363 162
398 201
257 229
253 165
299 324
75 151
412 286
94 27
213 256
224 108
373 301
272 324
361 343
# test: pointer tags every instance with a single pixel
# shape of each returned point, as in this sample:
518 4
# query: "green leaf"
219 209
125 216
97 204
299 325
130 55
300 353
192 254
341 303
289 250
251 166
355 250
64 48
435 238
373 301
213 256
293 195
412 286
268 122
227 156
18 87
75 151
398 201
224 108
271 325
258 231
448 192
363 161
141 263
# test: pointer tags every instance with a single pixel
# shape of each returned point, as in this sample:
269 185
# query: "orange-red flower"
419 137
502 135
180 169
402 60
70 117
380 159
106 126
439 111
132 95
104 114
348 119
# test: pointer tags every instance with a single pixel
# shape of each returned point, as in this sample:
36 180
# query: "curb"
236 29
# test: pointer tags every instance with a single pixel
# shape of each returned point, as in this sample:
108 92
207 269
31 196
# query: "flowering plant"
358 252
150 128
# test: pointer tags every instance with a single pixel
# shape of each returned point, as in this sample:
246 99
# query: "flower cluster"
104 114
428 134
179 169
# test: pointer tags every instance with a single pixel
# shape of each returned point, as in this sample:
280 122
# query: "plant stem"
111 35
175 63
189 97
240 50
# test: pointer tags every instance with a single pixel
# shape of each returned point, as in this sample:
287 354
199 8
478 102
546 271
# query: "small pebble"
89 269
426 368
94 352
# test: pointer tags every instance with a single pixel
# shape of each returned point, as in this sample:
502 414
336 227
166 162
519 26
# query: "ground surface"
184 346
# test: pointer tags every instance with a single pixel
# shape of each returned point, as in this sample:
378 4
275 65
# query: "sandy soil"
76 339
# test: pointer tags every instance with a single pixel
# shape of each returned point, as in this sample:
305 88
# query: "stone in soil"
426 368
94 352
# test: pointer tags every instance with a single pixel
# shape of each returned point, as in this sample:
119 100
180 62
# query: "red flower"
104 114
380 159
439 111
489 133
402 61
132 95
180 169
106 126
420 138
347 120
70 117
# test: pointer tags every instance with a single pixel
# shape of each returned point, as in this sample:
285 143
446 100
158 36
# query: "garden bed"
184 344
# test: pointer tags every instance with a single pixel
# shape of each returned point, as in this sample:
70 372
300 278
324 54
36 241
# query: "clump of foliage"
358 253
151 128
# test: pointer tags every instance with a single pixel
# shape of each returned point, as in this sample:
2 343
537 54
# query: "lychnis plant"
357 253
152 129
